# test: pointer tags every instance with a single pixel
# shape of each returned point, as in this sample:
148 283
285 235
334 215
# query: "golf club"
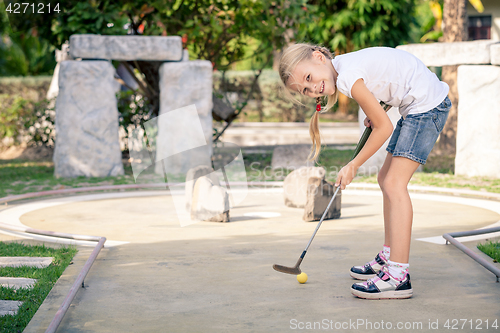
295 270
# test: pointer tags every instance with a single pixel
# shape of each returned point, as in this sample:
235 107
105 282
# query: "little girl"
398 79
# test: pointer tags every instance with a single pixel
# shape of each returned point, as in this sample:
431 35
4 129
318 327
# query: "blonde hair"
290 58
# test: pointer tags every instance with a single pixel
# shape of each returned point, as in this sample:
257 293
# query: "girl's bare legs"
398 216
381 177
393 280
398 211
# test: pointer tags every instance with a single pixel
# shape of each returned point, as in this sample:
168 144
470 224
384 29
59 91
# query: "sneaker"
370 269
383 286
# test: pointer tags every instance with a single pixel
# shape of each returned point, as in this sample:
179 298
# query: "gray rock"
185 83
457 53
185 138
191 178
295 185
291 157
38 262
478 138
87 121
210 202
319 194
161 48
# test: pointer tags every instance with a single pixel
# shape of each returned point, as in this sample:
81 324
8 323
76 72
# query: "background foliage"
215 30
231 34
26 116
350 25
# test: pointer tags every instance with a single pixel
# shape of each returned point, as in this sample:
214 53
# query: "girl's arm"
381 126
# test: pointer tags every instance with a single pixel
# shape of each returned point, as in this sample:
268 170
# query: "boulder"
210 202
295 185
319 194
192 176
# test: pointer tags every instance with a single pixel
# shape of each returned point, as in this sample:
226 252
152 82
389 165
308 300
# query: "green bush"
29 87
134 109
26 116
25 121
26 54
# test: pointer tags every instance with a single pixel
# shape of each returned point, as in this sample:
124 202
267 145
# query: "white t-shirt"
395 77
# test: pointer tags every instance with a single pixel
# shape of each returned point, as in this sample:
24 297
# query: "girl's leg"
387 208
398 209
371 268
393 280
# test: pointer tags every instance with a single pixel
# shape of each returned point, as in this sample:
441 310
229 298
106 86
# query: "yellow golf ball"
302 277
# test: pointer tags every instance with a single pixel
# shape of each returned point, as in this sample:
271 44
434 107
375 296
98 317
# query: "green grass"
20 176
333 160
492 249
436 179
258 166
47 277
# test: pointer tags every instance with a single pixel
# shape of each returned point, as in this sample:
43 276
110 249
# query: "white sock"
386 251
397 269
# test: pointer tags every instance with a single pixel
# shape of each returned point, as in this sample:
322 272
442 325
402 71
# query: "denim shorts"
415 135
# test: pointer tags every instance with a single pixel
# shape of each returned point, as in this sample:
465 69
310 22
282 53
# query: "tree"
455 30
349 25
23 52
215 30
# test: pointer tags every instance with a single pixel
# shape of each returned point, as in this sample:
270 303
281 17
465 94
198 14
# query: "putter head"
288 270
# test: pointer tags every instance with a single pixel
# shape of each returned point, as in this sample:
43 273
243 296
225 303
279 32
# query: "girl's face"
314 77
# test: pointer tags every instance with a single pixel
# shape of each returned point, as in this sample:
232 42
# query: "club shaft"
322 218
360 145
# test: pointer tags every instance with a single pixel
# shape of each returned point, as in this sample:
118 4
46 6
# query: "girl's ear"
319 56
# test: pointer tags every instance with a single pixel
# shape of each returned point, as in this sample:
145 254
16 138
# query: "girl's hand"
346 175
367 122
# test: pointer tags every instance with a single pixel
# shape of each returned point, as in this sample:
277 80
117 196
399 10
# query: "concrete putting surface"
215 277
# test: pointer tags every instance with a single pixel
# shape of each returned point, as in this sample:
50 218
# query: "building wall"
491 7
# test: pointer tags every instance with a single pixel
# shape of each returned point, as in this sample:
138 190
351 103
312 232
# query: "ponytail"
315 136
314 125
